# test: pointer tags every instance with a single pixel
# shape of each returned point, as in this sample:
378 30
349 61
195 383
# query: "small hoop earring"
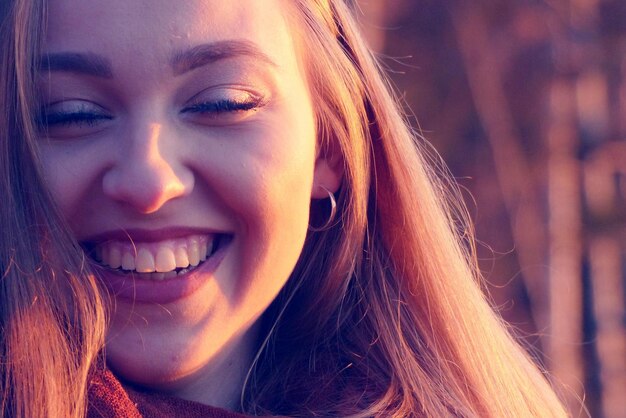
331 217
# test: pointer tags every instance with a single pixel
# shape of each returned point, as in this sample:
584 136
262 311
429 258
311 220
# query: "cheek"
280 187
272 205
264 173
73 172
267 190
64 177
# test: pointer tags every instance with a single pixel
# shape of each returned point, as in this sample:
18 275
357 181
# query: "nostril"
146 187
147 171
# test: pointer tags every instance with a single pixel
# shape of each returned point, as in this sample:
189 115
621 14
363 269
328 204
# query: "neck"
220 383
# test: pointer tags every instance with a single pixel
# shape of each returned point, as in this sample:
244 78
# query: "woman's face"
181 150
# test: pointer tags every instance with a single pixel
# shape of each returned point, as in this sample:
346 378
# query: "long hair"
384 314
51 316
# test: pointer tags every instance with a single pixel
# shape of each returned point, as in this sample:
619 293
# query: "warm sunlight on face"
180 147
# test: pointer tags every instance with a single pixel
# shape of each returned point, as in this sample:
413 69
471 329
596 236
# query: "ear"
328 174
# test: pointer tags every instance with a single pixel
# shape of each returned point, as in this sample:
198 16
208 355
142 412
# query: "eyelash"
224 106
79 118
88 118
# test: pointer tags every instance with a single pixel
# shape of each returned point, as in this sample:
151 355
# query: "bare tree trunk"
565 226
514 175
608 290
606 255
557 307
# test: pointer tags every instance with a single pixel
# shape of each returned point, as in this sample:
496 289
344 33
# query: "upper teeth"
162 257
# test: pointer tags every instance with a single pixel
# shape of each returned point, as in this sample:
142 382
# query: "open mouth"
160 260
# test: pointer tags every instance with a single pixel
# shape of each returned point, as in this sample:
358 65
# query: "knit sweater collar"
109 399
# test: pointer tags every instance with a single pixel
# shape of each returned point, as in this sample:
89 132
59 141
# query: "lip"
147 235
130 287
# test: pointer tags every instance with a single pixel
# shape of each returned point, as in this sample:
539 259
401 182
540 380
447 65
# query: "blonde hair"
383 314
51 315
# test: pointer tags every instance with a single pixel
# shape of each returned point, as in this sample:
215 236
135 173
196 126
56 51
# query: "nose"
145 174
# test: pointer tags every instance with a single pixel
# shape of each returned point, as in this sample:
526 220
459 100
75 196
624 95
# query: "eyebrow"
80 63
204 54
198 56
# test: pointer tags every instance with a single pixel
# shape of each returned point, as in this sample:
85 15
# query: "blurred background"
526 101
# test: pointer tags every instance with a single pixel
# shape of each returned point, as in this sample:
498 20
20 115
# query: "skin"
141 159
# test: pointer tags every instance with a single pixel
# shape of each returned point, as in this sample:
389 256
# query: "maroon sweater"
109 399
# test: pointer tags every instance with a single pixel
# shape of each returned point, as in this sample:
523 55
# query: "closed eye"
72 118
75 118
222 106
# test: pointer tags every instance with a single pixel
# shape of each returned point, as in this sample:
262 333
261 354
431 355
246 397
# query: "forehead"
151 28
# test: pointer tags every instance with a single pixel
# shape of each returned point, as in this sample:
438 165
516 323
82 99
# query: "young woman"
218 203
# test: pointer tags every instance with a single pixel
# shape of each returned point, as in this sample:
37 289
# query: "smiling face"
180 148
